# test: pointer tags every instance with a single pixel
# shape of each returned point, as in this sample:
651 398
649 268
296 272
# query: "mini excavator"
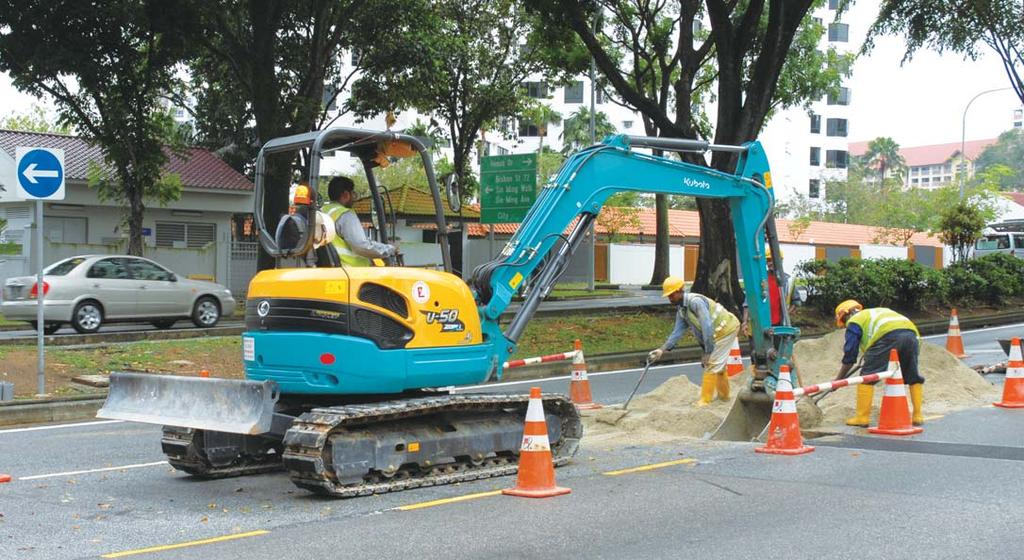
350 370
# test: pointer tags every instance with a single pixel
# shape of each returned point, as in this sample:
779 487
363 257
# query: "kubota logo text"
695 184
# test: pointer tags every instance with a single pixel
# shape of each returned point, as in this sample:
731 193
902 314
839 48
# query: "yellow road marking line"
651 467
443 501
184 544
930 418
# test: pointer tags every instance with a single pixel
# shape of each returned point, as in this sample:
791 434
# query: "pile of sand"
669 412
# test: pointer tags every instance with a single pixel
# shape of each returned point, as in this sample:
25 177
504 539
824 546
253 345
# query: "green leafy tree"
108 68
462 61
958 26
959 227
576 131
883 154
1008 151
271 68
34 120
540 115
756 58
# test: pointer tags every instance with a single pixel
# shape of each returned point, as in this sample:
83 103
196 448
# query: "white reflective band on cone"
1015 353
895 390
536 443
535 412
579 375
787 406
1014 373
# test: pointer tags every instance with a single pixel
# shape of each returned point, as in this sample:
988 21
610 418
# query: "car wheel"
164 324
87 317
48 328
206 312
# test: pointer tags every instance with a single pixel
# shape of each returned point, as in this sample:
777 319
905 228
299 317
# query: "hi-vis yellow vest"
345 253
878 322
723 321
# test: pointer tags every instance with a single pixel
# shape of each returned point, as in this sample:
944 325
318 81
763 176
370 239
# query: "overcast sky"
921 102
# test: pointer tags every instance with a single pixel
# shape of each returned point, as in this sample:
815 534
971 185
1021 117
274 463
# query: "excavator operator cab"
304 229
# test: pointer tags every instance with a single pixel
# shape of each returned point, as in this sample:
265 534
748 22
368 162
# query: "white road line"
58 426
987 329
107 469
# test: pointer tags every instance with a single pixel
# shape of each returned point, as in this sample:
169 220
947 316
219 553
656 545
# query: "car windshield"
64 267
992 242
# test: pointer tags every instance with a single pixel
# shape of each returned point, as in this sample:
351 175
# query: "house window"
627 124
841 98
913 181
814 188
833 4
536 90
574 92
835 159
182 235
815 124
59 229
835 127
838 32
1018 118
527 129
815 156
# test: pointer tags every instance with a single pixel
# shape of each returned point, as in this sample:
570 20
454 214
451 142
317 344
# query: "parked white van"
1001 238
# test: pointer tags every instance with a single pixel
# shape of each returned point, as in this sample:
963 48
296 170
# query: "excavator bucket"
748 417
222 405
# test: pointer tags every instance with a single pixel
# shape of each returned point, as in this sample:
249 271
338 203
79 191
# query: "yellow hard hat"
846 307
671 285
768 253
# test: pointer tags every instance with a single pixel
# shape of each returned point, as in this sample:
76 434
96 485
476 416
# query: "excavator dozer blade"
748 417
222 405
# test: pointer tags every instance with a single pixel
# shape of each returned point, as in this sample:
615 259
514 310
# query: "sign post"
40 177
508 187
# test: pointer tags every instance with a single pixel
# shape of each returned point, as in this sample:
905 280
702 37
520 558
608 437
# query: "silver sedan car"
91 290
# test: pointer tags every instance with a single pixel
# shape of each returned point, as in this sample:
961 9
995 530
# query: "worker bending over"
351 243
714 328
874 332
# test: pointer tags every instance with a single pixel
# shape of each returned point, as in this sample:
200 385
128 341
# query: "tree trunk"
717 275
661 245
136 209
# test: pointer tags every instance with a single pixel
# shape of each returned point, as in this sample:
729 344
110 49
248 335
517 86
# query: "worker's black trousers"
907 345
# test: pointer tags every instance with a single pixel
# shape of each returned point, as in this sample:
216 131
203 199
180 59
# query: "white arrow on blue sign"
40 173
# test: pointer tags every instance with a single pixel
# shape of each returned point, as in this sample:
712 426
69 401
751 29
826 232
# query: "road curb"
132 336
84 407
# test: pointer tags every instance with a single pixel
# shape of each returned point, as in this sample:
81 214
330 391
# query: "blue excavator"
350 371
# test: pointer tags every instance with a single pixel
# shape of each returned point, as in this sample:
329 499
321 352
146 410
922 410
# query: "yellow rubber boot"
707 389
917 398
865 394
722 382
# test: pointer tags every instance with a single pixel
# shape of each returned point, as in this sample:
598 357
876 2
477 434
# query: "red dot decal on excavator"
326 359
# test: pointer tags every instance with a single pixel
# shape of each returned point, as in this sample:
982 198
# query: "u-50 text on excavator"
349 370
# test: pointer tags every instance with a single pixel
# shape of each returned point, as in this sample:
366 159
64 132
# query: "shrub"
992 279
895 283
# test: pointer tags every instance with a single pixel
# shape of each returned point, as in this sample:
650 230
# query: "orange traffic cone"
954 342
784 436
579 387
1013 386
894 417
536 470
204 373
5 478
734 365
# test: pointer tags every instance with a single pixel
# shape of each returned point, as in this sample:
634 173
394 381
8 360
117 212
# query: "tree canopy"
576 129
109 68
1008 151
35 119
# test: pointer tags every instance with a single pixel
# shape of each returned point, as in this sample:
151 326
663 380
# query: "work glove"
655 355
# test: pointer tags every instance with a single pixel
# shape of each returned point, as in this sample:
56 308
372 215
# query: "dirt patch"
669 412
949 384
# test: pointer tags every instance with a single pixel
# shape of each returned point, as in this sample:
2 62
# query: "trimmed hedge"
908 286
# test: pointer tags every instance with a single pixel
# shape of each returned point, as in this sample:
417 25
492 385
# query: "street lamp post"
963 136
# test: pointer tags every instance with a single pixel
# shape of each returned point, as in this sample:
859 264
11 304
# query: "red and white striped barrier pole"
539 360
870 378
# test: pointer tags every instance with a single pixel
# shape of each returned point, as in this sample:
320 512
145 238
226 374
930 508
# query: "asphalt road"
83 491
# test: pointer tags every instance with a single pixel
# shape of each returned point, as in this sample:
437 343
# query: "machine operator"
715 329
351 243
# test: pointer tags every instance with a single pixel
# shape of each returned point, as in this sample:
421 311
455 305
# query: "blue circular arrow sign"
40 173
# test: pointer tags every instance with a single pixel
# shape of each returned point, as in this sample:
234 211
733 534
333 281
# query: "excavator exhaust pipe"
222 405
748 417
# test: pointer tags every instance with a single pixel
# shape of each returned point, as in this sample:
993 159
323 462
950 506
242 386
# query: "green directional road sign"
508 187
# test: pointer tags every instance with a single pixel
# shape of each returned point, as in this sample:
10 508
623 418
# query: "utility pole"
963 137
593 140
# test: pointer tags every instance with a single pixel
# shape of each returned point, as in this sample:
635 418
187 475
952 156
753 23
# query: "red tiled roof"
1016 197
930 155
198 169
686 223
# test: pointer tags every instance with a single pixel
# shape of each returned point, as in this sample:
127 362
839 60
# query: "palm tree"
576 133
541 116
884 154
